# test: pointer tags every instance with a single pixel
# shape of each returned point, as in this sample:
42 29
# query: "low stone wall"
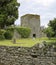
36 55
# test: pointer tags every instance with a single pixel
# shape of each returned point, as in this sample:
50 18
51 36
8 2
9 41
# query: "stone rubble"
45 55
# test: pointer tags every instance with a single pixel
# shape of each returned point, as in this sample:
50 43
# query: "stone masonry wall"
36 55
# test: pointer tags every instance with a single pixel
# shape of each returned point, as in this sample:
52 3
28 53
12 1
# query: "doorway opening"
34 35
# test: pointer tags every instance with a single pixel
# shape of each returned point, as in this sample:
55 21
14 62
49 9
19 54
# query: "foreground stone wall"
36 55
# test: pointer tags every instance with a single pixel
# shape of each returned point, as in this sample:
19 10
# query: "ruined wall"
35 55
42 34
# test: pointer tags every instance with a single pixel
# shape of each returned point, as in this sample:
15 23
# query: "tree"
8 12
52 24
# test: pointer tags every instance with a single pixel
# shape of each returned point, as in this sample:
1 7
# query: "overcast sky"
45 8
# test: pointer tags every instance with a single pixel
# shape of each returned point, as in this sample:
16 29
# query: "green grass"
26 42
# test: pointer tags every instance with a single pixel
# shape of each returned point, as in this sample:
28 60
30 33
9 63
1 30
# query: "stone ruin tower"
32 21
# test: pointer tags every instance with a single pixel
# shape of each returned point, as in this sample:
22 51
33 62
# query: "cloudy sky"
45 8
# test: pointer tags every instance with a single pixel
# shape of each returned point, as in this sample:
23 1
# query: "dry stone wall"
36 55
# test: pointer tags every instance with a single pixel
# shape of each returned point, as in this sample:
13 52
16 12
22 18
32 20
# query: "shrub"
10 29
9 32
2 31
2 37
23 31
49 32
2 34
8 35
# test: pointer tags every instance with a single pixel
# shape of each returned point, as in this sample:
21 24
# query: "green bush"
8 35
2 34
2 37
23 31
10 29
2 31
9 32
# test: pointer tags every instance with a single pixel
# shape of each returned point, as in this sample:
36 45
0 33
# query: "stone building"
32 21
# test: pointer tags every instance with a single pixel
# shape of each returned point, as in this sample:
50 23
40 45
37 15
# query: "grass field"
26 42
